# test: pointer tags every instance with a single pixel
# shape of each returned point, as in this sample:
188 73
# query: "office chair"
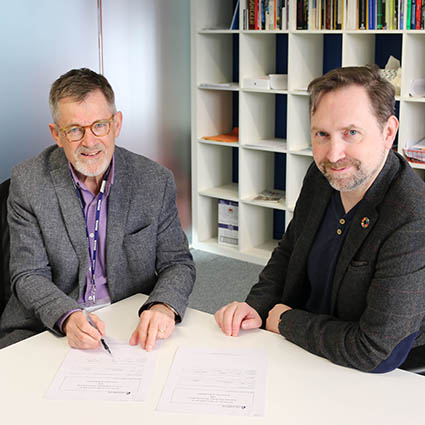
4 246
415 361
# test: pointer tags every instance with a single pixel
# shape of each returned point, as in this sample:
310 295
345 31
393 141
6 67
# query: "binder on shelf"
228 230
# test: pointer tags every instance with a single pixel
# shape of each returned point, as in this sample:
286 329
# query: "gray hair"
78 84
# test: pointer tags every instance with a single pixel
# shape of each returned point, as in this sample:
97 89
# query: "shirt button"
91 235
339 231
342 221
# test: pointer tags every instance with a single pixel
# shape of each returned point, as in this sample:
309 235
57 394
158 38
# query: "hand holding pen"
81 333
104 344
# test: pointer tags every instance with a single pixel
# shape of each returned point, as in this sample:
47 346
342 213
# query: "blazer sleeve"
273 279
268 291
395 307
31 274
174 264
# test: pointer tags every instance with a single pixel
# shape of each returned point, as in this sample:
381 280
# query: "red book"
256 15
251 13
418 14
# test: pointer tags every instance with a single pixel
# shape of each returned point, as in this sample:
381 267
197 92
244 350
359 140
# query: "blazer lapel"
118 206
368 214
357 233
70 209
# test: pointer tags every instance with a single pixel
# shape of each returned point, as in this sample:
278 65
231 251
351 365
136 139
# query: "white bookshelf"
239 171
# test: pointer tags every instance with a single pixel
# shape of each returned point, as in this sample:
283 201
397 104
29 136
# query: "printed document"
96 375
225 382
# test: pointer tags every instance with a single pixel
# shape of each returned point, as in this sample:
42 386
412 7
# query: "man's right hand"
80 333
237 315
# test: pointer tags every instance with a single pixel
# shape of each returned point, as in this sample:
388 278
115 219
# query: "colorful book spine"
362 14
418 14
413 15
379 15
371 14
408 14
392 9
251 14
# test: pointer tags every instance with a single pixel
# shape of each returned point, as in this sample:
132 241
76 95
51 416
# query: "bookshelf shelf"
274 148
218 31
415 99
266 204
226 191
317 32
224 144
266 91
273 145
264 31
219 86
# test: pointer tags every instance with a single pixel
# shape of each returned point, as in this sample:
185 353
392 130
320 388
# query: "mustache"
342 163
95 148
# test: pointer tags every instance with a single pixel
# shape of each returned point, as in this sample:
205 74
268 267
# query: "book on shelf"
232 137
235 20
266 15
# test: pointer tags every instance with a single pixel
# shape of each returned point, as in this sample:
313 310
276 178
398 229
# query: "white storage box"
261 83
279 81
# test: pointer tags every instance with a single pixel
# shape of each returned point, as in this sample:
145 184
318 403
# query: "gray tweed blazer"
146 249
378 295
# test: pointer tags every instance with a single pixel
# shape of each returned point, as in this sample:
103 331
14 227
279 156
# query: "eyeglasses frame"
84 127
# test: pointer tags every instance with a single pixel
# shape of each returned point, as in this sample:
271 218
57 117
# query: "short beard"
353 182
86 169
346 184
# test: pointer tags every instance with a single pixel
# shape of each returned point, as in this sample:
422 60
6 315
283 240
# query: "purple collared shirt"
101 281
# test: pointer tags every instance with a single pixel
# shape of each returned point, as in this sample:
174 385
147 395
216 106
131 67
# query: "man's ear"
117 124
55 134
390 131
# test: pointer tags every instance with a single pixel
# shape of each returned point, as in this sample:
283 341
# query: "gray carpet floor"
220 280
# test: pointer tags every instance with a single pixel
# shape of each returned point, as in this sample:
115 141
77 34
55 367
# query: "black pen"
105 345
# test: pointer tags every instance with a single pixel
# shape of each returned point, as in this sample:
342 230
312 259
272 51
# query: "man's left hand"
273 319
156 323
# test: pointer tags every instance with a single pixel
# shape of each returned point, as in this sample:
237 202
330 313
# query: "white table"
301 388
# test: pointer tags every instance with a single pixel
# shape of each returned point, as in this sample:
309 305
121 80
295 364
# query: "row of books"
385 14
360 14
415 20
266 15
320 14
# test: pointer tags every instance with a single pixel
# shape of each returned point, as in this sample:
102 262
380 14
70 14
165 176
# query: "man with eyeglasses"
92 223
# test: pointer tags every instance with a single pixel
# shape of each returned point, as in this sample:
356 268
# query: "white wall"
146 59
40 40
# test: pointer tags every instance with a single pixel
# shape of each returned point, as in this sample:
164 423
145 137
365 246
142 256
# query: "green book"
409 14
379 15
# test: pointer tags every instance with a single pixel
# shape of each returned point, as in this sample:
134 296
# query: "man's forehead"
346 100
92 107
